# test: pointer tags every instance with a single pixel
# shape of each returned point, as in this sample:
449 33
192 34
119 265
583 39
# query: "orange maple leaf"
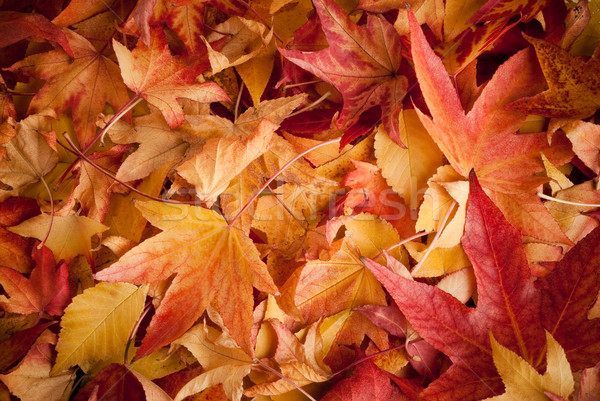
574 84
84 83
213 262
160 78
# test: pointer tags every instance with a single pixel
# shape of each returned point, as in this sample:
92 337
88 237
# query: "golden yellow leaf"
97 325
70 235
256 73
523 382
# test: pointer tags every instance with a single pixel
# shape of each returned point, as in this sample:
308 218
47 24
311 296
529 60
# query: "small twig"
310 106
550 198
286 87
270 180
278 374
78 152
435 239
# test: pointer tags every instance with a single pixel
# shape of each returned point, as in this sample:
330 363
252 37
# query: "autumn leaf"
221 159
195 243
46 289
573 84
361 62
83 83
485 140
222 363
69 235
160 78
32 380
567 294
13 349
508 305
18 26
97 325
368 383
29 156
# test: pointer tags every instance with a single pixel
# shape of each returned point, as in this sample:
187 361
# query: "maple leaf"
585 138
567 294
361 62
46 289
222 362
213 263
573 84
69 235
221 159
522 381
29 155
485 140
18 26
160 78
84 83
368 383
508 306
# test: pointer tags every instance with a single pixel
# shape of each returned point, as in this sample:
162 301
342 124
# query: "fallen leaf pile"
361 200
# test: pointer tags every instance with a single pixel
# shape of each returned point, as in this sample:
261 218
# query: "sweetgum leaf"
361 62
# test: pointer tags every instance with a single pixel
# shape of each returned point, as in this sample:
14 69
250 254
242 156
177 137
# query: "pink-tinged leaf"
507 296
160 78
568 292
452 328
388 318
46 289
485 139
368 383
18 26
12 349
508 306
361 62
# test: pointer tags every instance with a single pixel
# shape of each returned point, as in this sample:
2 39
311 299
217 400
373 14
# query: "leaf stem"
312 105
270 180
550 198
286 87
79 153
237 102
278 374
133 333
51 214
435 239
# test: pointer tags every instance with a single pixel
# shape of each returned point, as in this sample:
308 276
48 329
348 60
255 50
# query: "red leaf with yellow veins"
213 264
573 84
46 289
568 292
485 139
508 306
361 62
160 78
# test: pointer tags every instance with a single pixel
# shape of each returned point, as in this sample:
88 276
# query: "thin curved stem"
270 180
51 214
278 374
550 198
435 239
311 106
79 153
237 102
133 333
126 107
